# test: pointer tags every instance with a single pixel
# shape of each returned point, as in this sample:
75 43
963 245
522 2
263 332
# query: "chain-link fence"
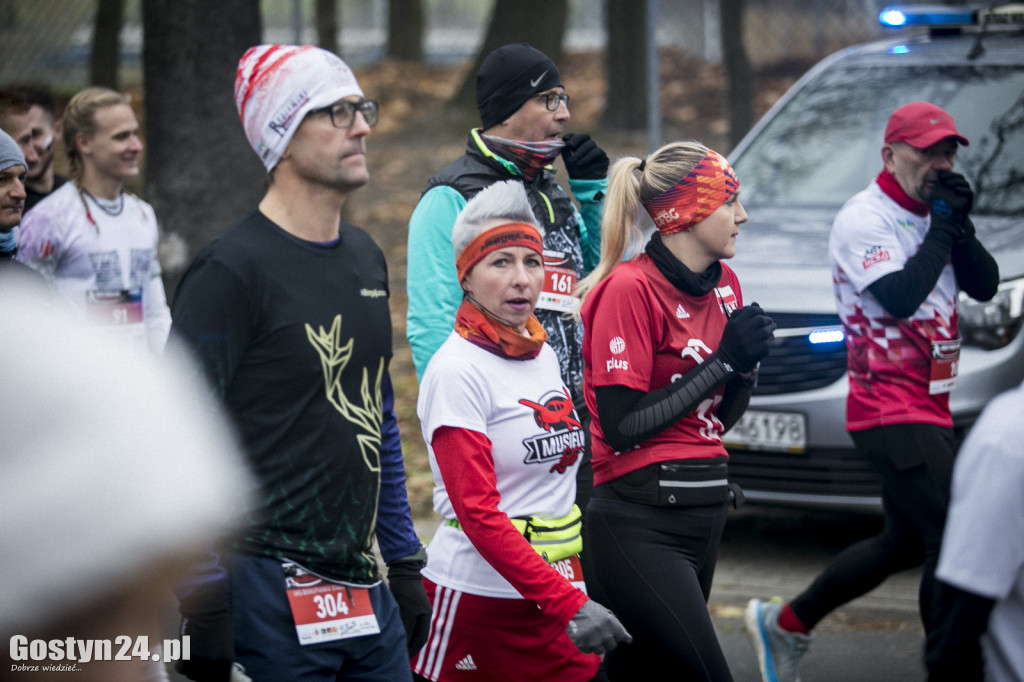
50 40
46 41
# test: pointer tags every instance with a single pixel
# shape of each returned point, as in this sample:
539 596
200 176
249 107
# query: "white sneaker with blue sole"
778 651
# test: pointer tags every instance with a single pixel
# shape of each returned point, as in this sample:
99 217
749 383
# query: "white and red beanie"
277 85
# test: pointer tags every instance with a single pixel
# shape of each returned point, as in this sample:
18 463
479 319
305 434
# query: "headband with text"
695 197
499 237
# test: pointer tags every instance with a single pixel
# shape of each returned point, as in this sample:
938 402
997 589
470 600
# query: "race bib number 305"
324 611
571 569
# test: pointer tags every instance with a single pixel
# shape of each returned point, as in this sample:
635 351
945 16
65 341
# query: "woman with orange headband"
670 353
503 572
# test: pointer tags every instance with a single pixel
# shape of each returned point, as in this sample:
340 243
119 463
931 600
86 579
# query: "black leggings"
652 566
915 462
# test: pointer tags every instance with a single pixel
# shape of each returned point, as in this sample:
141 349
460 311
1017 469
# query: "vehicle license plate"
763 430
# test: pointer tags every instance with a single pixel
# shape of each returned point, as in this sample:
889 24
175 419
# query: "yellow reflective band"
554 539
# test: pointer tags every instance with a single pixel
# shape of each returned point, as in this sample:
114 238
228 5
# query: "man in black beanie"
523 110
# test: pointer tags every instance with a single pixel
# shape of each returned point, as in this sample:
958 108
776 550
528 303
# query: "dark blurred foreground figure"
901 251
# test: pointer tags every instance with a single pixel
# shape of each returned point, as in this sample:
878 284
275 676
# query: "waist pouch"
679 483
554 539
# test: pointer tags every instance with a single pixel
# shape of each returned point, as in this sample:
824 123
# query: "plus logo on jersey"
562 440
616 346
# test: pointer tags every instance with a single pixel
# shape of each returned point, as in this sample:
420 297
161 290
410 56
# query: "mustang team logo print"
562 440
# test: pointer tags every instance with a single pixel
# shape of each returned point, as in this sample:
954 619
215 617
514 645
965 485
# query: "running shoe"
778 651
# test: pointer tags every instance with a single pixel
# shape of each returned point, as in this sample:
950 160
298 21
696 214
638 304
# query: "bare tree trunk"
201 173
515 21
106 43
327 25
406 26
626 104
737 69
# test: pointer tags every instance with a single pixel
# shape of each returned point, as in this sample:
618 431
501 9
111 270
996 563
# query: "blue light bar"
826 336
926 15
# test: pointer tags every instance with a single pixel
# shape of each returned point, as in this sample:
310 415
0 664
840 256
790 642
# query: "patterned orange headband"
695 197
499 237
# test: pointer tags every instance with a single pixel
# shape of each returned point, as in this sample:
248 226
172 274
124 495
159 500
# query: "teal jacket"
432 285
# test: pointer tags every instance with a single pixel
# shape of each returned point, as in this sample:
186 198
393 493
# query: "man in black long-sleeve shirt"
287 312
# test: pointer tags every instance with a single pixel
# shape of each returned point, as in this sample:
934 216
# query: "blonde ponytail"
627 194
619 226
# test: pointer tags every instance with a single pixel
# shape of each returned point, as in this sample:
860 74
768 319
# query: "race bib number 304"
324 611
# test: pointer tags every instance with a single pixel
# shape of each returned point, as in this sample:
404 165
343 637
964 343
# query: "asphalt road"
770 552
777 552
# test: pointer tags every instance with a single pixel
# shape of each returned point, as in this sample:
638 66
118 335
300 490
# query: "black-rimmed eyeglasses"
343 113
553 99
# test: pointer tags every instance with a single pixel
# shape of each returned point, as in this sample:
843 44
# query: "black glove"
747 338
583 158
967 233
206 619
950 202
595 629
406 586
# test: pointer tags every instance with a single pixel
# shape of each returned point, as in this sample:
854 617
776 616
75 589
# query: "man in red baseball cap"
921 142
901 251
921 124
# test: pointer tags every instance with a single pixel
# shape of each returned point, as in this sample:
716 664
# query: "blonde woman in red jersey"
670 353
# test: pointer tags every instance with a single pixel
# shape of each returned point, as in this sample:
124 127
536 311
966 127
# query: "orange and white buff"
500 237
277 85
695 197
